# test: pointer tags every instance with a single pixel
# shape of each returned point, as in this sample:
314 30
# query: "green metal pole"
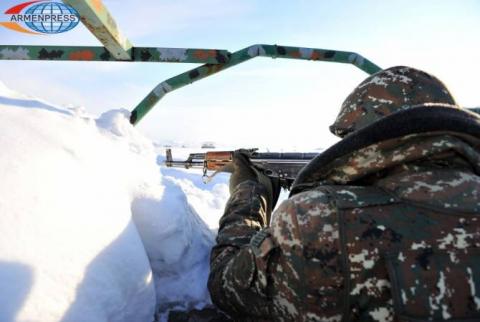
241 56
101 24
95 53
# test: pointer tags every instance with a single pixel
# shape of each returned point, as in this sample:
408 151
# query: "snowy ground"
92 228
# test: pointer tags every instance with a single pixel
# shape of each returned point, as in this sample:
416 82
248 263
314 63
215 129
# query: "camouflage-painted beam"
139 54
242 56
101 24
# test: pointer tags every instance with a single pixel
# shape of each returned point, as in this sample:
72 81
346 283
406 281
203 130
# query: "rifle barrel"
184 164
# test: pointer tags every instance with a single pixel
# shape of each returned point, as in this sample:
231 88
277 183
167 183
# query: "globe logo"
39 16
58 17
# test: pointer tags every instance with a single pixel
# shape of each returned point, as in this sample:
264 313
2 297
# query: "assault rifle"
282 165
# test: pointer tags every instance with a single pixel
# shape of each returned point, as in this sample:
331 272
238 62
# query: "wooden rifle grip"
216 160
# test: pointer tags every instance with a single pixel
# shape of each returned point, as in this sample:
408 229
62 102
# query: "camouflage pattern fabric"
388 231
203 315
388 91
234 282
402 248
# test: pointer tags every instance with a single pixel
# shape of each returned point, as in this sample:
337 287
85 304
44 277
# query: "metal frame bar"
96 53
101 24
117 47
242 56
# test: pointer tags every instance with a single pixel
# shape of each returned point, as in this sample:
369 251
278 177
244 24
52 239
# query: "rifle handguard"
216 160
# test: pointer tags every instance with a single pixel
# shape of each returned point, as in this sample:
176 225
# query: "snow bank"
87 217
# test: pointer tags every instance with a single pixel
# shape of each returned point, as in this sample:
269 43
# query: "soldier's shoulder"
302 207
316 195
340 196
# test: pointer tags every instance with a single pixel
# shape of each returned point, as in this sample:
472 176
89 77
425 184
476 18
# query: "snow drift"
91 227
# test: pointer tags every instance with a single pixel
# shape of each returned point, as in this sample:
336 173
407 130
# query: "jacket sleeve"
236 284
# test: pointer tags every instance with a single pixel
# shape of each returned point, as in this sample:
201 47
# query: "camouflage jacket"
388 232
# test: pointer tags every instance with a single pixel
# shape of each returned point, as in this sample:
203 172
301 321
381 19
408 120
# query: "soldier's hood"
403 137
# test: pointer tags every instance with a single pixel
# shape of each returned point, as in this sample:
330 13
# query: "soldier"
382 226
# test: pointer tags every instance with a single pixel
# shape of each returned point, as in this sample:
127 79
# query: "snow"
93 227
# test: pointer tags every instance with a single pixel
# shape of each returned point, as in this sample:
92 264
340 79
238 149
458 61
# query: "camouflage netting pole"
101 24
241 56
116 47
96 53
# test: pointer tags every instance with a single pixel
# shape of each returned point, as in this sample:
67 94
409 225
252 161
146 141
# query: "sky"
275 104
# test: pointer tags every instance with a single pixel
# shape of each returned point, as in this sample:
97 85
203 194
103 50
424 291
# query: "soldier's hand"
244 170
